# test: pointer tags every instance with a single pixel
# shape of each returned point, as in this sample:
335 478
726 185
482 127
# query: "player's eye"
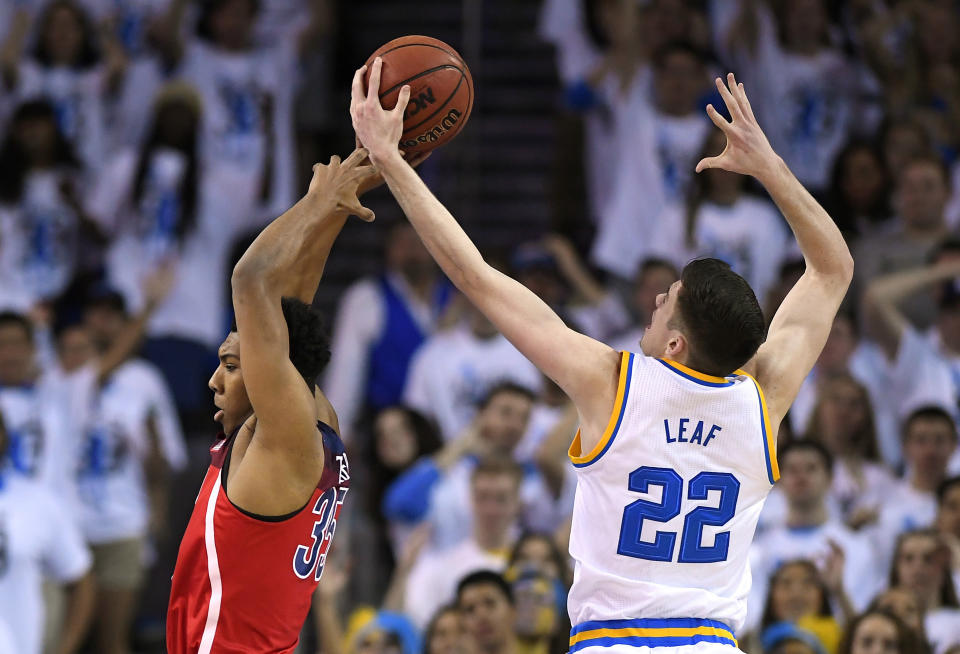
230 367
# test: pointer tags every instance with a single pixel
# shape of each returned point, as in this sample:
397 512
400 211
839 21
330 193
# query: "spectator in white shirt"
454 370
494 492
929 439
37 540
921 564
843 422
809 532
41 213
380 324
718 219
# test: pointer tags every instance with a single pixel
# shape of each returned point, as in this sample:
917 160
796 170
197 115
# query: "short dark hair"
807 445
653 263
720 317
309 341
8 318
679 47
512 388
931 159
946 486
210 7
930 412
484 577
497 466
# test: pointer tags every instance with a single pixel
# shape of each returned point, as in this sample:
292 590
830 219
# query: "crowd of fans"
141 139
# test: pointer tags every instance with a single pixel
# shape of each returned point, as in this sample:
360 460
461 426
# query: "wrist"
386 158
774 172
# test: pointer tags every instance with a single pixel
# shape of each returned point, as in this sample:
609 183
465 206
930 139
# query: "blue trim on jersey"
623 408
702 382
649 623
639 641
763 432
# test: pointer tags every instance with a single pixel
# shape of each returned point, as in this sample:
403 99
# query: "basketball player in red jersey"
255 546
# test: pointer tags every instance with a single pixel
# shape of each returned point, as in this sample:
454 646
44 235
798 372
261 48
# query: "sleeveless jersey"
244 583
666 507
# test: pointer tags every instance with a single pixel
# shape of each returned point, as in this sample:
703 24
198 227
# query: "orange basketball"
441 89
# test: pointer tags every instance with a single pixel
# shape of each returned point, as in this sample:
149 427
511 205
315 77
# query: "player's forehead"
230 346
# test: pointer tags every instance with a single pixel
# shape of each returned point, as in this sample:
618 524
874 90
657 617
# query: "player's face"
948 515
487 615
875 635
904 605
496 502
920 564
504 420
795 592
229 393
805 478
928 446
449 636
660 340
395 441
16 355
75 348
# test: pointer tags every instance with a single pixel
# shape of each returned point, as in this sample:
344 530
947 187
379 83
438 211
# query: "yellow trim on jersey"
768 434
699 375
575 451
651 632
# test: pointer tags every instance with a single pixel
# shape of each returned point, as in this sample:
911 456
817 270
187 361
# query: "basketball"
441 89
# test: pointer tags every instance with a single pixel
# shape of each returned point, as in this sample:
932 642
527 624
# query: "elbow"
249 273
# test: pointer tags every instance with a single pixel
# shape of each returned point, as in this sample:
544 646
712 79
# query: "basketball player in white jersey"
675 453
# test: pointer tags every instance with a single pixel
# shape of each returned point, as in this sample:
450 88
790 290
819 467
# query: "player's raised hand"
377 129
747 151
343 181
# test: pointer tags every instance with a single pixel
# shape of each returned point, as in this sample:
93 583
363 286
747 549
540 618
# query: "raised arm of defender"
801 325
585 369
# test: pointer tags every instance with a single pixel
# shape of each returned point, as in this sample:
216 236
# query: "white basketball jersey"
666 508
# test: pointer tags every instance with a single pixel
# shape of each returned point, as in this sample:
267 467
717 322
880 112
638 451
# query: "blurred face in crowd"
875 634
948 513
901 143
406 255
948 327
537 553
620 21
104 325
903 604
448 635
927 447
396 442
839 347
229 393
794 592
649 284
487 615
17 355
503 421
480 326
862 179
842 416
680 80
75 348
496 503
921 565
231 24
63 34
805 479
922 194
804 25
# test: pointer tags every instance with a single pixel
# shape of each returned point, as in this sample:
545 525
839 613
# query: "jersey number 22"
691 549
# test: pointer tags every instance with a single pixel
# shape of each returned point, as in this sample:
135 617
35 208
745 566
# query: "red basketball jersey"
244 583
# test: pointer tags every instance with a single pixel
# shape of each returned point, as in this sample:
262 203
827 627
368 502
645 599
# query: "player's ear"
676 346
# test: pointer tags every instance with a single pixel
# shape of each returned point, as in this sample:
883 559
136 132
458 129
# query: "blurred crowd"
144 141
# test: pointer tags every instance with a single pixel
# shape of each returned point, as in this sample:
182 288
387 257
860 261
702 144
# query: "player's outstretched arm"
287 260
801 325
584 368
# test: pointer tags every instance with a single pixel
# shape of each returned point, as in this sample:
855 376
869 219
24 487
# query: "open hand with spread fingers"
344 181
747 152
378 129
